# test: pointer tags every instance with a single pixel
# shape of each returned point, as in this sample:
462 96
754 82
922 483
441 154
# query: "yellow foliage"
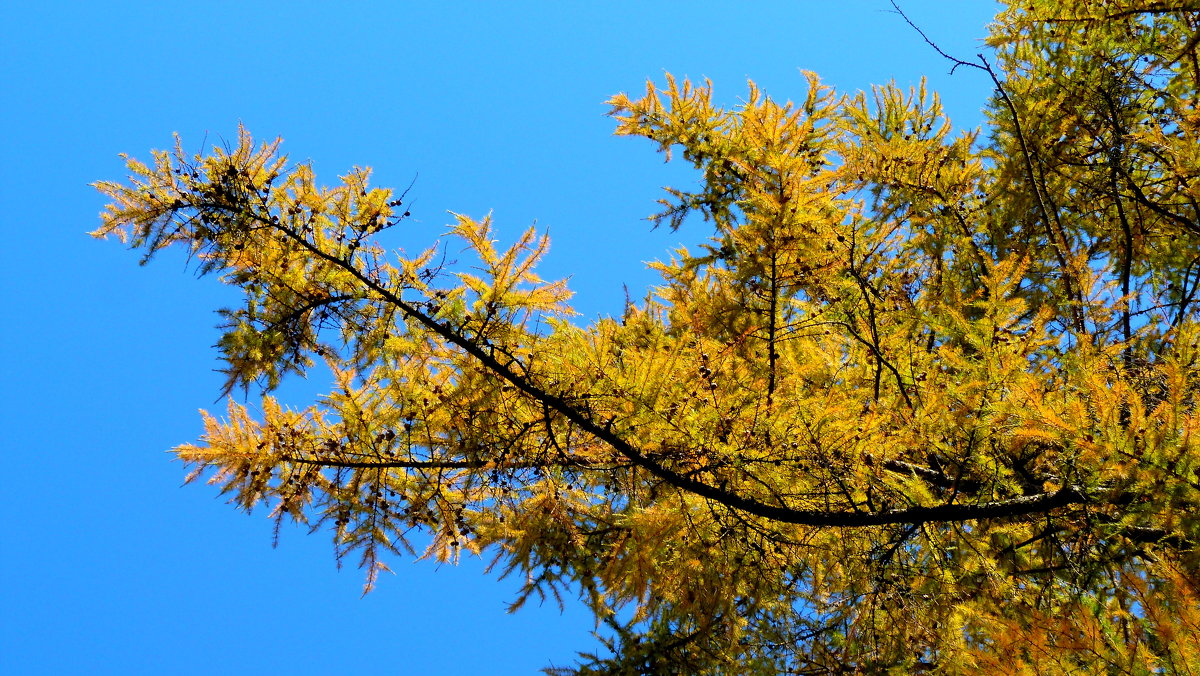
919 402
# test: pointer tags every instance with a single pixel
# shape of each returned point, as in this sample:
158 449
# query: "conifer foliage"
922 400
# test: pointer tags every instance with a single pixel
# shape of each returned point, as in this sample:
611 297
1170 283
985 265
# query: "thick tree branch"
944 513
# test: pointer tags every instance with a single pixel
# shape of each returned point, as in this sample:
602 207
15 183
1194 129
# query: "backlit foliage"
923 400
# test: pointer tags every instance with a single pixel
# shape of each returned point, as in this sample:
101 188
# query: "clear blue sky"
108 566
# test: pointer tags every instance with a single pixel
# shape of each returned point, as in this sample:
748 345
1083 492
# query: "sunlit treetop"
917 399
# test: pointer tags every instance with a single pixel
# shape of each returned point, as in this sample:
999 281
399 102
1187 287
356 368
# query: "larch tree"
922 400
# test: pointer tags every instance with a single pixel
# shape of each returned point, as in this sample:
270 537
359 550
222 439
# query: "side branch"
439 464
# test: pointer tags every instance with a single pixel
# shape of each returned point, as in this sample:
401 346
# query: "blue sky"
108 565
